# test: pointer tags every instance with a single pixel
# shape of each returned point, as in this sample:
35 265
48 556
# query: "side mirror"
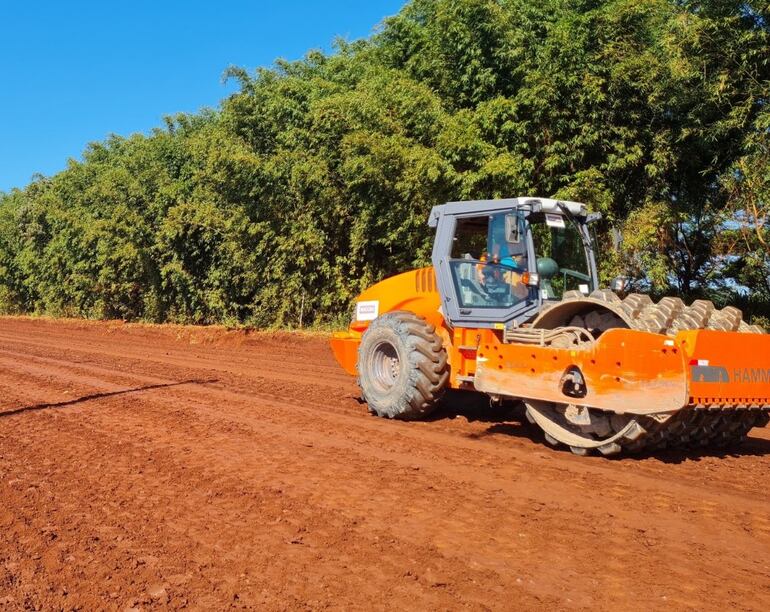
512 229
621 284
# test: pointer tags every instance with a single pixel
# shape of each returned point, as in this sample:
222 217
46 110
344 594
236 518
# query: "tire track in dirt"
140 444
157 380
431 515
306 412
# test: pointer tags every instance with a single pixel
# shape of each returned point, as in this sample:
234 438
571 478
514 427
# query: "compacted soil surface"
155 467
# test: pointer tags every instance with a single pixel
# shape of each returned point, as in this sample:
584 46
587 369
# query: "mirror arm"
593 218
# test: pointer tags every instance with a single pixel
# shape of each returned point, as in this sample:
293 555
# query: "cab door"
483 262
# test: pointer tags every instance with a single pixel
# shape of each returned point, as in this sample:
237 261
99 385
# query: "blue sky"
74 72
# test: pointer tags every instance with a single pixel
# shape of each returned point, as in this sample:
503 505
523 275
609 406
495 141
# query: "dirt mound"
154 466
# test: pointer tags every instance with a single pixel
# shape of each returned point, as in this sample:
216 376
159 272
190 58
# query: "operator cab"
498 261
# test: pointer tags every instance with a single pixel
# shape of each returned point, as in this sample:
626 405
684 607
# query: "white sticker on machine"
367 311
554 220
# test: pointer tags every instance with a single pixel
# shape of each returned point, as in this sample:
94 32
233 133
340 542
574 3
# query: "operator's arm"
518 288
480 269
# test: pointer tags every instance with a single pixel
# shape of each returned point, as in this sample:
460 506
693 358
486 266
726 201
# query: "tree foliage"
315 179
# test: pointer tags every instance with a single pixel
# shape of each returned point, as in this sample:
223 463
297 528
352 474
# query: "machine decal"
702 371
751 375
709 374
367 311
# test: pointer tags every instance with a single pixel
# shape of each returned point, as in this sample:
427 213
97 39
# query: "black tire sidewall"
402 399
385 402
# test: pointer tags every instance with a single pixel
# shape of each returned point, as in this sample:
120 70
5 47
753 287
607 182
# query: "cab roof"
534 204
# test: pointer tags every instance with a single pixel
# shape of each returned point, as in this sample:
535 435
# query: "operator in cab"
510 259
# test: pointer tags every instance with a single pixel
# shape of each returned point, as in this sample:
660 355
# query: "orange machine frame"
625 370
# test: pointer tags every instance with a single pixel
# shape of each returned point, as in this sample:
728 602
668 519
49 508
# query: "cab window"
562 263
489 260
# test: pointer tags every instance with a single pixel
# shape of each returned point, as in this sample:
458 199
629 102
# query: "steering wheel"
477 289
574 274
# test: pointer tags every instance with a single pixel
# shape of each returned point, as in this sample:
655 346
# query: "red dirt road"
161 467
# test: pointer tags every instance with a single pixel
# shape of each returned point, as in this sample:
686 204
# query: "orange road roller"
512 308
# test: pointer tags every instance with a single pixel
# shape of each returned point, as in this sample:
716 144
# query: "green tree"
316 177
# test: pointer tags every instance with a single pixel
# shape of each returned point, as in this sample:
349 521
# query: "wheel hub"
386 365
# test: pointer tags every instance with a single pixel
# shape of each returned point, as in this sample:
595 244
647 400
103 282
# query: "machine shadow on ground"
95 396
508 419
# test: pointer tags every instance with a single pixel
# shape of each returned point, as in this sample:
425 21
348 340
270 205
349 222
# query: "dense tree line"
315 179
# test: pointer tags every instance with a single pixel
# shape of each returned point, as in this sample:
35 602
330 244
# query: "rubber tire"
423 366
